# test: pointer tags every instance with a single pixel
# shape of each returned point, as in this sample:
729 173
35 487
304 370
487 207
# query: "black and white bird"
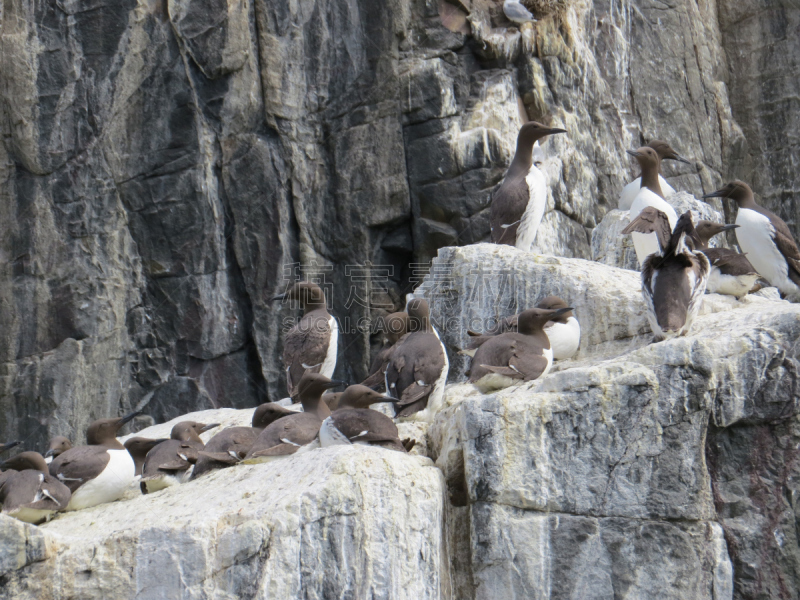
650 194
418 367
99 472
731 273
288 434
354 423
630 191
515 356
674 277
29 493
766 240
311 344
170 462
519 204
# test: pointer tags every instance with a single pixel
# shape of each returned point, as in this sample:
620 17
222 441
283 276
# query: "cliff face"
166 167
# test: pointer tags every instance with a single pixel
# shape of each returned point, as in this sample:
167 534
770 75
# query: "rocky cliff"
634 471
166 166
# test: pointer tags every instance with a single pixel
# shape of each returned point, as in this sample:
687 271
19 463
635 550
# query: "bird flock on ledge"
677 268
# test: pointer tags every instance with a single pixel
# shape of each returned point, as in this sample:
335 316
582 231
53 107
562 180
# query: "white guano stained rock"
344 522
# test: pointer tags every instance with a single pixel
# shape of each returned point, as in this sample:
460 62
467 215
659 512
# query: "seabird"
168 463
287 435
311 344
417 371
354 423
138 447
229 446
519 204
395 327
731 272
563 331
766 240
665 152
58 445
673 278
99 472
650 194
516 12
512 357
29 493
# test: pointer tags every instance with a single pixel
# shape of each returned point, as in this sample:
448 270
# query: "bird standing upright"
519 204
630 191
650 194
674 277
311 344
766 240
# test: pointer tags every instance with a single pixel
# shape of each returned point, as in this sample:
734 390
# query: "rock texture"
635 470
371 517
165 167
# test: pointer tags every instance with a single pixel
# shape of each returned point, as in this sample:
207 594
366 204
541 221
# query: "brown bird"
229 446
138 447
169 462
395 326
29 493
417 371
99 472
354 423
310 345
731 272
519 204
57 446
287 435
512 357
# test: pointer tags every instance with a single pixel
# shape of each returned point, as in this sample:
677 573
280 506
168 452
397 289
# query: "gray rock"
261 531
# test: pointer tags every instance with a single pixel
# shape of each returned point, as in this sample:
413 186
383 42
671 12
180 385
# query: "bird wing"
651 220
789 250
78 465
305 347
729 262
530 365
508 206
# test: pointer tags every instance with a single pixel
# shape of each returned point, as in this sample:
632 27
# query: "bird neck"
650 180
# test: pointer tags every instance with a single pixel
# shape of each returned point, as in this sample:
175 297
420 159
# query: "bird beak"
717 194
207 427
633 152
679 158
561 311
10 445
554 130
49 453
729 227
279 297
129 417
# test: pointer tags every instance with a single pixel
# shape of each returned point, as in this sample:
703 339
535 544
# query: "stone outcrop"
346 522
167 166
636 469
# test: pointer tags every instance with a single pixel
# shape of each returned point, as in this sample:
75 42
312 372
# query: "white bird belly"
329 364
534 211
647 243
548 354
109 485
329 435
30 515
731 285
564 338
755 236
630 191
160 482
